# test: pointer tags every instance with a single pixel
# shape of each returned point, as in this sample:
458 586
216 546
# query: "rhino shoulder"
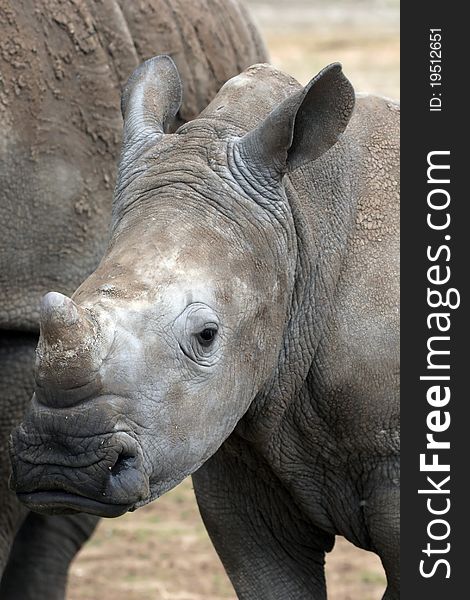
377 119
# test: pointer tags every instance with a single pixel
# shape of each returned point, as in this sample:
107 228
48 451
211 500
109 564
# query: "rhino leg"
268 550
41 555
16 384
382 517
35 551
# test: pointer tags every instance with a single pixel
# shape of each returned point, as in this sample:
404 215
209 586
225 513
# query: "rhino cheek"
187 423
181 436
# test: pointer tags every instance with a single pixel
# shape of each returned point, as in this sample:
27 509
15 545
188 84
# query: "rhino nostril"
123 462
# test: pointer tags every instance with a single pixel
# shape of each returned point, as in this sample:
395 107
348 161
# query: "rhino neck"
322 198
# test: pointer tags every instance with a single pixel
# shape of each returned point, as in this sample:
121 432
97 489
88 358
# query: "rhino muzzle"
74 451
58 473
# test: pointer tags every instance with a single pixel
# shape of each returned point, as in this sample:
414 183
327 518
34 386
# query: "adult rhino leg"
16 384
35 551
382 516
41 555
270 552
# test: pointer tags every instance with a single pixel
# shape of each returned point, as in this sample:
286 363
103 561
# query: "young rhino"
242 327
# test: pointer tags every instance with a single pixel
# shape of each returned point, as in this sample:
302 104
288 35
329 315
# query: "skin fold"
242 327
63 65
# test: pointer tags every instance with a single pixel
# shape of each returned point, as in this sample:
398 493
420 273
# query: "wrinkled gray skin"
242 326
62 68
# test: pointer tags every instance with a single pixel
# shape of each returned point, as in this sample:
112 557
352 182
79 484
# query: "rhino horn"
69 352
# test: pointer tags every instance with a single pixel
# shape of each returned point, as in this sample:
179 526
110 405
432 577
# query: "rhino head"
148 368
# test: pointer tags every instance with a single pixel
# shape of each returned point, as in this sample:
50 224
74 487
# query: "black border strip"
424 131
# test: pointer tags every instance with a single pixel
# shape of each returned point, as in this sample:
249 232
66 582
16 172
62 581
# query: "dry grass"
369 58
162 552
303 36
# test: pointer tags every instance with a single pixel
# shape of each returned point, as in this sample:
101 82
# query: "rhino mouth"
61 502
54 472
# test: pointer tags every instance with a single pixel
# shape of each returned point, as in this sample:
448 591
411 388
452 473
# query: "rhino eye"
197 332
207 336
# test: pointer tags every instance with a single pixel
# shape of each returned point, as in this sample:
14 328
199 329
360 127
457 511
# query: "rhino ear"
303 126
150 100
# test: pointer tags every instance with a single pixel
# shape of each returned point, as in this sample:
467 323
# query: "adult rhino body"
62 68
242 326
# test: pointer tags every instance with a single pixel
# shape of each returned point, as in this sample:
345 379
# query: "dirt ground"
162 551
